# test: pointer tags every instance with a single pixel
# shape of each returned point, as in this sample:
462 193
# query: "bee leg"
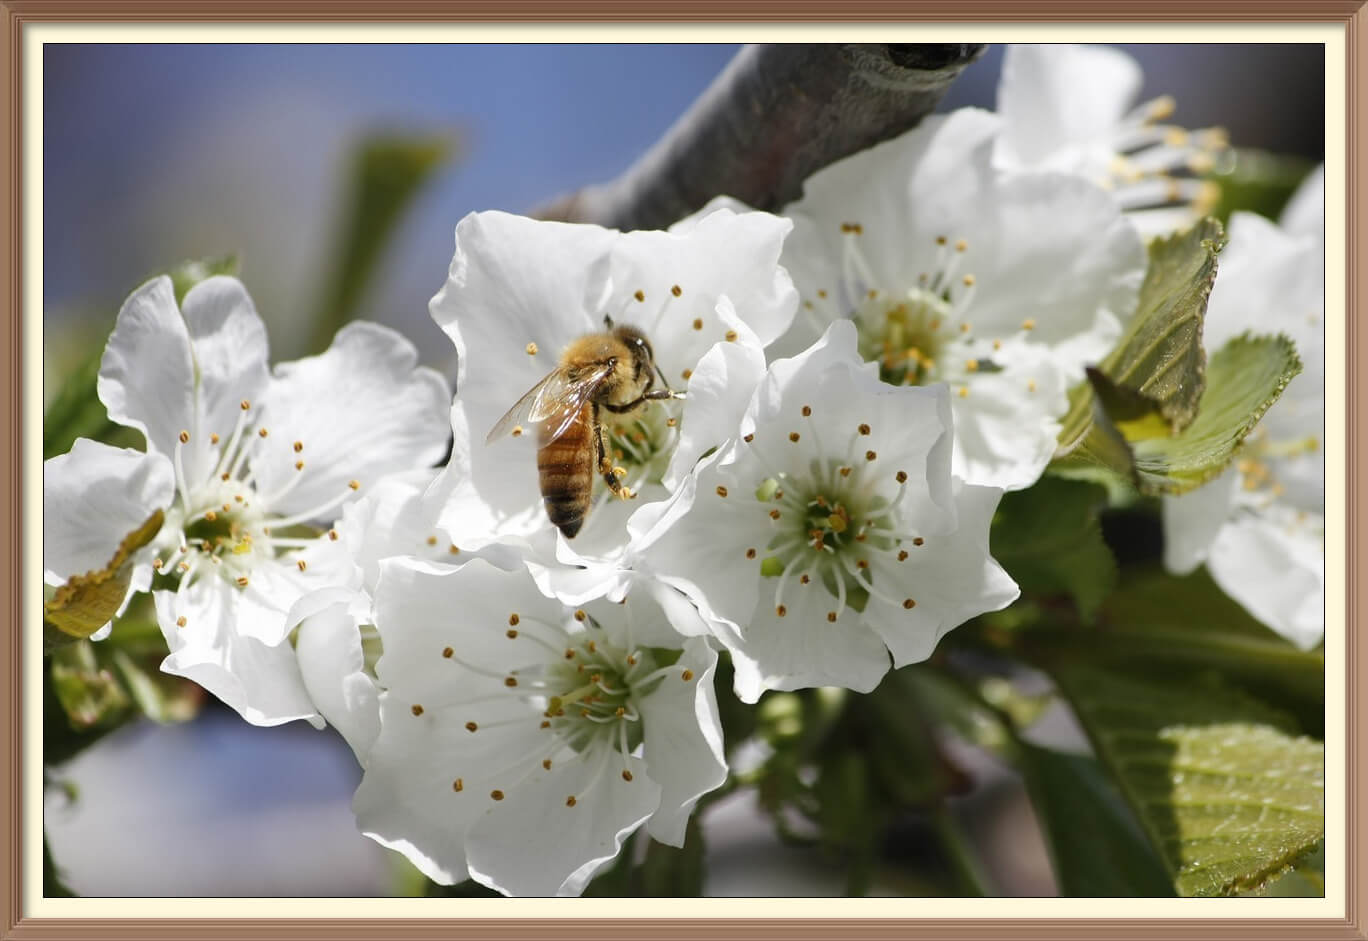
655 396
610 473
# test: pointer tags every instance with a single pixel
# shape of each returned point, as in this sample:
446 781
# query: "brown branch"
775 115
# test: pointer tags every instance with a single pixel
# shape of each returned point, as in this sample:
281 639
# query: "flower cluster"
779 436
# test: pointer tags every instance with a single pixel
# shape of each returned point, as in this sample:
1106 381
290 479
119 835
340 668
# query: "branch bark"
775 115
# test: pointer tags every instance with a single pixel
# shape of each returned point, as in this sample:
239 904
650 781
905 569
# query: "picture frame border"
18 15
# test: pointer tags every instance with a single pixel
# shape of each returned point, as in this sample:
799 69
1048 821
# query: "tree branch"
775 115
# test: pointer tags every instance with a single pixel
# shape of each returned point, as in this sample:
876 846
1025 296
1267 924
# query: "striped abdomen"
566 468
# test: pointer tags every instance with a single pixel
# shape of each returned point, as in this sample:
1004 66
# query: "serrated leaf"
1159 359
1048 539
1096 847
190 273
1245 378
88 602
1225 790
387 173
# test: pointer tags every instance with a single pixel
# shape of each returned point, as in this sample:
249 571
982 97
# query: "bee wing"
558 396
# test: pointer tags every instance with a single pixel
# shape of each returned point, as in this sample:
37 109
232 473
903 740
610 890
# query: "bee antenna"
608 321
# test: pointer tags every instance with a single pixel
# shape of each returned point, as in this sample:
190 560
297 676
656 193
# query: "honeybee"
614 370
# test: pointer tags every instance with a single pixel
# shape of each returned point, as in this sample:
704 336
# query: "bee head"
643 357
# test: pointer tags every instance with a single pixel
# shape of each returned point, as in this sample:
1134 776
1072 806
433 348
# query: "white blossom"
829 535
522 740
261 464
1004 287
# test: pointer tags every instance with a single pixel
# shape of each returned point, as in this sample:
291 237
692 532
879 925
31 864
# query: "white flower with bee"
250 468
521 299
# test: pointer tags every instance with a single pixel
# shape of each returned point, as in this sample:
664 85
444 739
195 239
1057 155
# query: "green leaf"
1305 879
1049 540
1157 370
387 173
1155 617
88 602
190 273
1246 377
1096 847
675 872
1225 792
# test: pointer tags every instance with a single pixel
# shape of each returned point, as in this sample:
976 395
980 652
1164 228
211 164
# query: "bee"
614 370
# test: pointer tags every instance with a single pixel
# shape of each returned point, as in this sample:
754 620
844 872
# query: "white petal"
1304 213
1274 566
515 281
406 800
722 253
391 518
261 608
1053 249
360 410
1055 100
682 738
1192 521
1268 281
1007 426
261 682
421 609
533 844
228 342
702 549
719 390
147 375
490 491
332 665
951 578
806 648
93 497
903 193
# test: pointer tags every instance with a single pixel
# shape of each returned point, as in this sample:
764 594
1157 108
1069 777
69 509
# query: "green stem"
969 871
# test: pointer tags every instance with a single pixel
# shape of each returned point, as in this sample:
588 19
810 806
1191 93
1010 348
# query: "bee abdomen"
566 471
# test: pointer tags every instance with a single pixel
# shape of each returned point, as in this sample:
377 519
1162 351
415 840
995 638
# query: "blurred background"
155 154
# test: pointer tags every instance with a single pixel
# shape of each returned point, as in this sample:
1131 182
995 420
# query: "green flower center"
641 443
906 338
